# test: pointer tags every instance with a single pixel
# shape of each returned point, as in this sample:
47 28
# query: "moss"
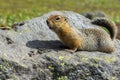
62 64
63 78
15 77
113 78
61 57
110 59
50 67
84 59
5 70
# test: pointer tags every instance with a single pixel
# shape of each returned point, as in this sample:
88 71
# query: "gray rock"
33 52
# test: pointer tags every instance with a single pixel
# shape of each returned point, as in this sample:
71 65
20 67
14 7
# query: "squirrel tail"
108 24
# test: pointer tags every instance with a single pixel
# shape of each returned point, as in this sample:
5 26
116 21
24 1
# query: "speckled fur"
92 39
97 40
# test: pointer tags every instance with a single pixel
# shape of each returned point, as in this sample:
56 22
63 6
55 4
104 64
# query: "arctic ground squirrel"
90 39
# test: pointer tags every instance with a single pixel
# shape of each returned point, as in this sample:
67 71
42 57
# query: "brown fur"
83 39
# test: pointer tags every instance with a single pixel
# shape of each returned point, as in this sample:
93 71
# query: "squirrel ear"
65 19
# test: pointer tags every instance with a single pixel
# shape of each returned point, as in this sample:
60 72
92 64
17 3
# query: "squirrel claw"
70 50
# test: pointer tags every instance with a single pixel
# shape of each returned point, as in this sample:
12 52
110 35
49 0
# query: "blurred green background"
19 10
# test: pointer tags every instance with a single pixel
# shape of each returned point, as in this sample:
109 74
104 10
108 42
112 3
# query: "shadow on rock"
37 44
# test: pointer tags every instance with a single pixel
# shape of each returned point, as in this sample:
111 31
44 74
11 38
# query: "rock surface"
33 52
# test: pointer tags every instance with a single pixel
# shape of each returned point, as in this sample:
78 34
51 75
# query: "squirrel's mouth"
48 23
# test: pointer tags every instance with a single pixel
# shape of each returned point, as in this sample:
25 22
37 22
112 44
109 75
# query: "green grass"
19 10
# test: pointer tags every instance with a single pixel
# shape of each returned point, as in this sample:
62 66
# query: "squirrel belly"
92 39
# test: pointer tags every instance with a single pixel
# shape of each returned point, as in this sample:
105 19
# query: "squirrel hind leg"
107 47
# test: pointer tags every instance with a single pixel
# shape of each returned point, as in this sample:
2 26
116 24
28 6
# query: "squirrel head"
55 22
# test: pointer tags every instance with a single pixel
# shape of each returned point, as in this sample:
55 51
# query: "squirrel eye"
57 18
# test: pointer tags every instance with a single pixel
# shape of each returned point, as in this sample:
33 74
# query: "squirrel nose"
47 21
